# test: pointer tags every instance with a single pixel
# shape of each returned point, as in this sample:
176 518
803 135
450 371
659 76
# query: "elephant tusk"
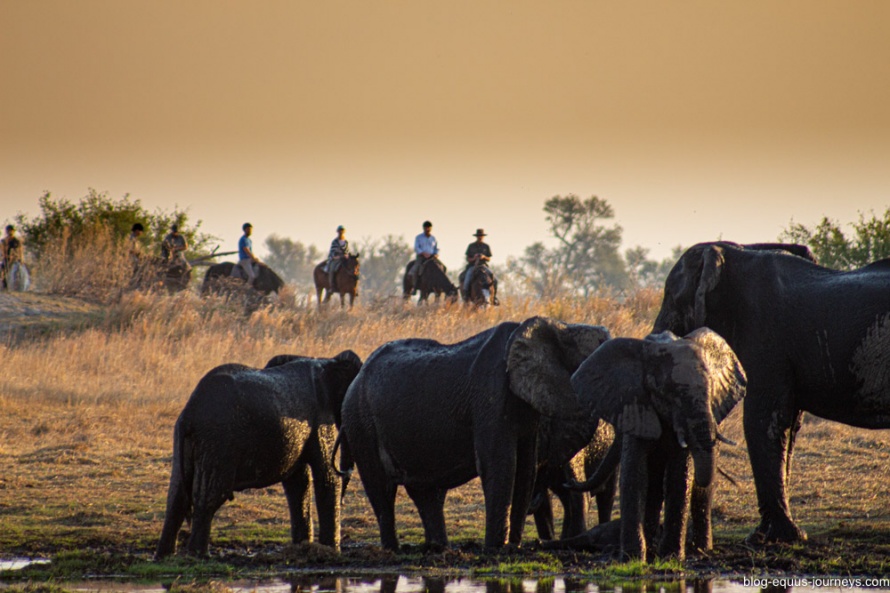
681 440
723 439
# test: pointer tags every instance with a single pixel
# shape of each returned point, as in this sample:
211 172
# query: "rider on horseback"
478 252
247 261
426 248
11 250
338 252
173 249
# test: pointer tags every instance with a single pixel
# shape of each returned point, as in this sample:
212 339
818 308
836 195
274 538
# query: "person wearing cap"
173 249
477 251
426 248
11 251
247 261
338 252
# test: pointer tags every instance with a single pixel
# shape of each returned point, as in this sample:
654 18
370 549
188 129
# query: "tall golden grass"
153 348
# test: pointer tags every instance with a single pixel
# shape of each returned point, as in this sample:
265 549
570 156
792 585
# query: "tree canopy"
833 248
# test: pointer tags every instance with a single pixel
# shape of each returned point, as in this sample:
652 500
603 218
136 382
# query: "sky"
695 120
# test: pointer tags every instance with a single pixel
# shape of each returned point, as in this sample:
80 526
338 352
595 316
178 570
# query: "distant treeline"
586 259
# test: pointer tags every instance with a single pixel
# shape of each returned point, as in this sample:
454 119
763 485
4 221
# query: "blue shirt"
424 244
244 243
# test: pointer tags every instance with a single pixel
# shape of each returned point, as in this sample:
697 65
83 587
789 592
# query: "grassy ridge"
86 420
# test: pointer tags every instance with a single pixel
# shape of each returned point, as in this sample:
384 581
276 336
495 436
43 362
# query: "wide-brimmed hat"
480 233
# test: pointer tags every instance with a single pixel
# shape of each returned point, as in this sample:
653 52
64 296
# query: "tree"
61 217
383 264
646 273
292 260
870 241
586 256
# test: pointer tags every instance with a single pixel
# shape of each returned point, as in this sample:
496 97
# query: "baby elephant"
665 397
250 428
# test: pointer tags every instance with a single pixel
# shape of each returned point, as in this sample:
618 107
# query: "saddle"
425 263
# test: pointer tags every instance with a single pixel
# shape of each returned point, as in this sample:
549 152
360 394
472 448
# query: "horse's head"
351 264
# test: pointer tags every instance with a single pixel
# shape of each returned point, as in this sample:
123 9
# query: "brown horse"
432 280
483 286
346 280
155 272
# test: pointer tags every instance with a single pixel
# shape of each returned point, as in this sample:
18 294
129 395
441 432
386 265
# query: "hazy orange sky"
695 120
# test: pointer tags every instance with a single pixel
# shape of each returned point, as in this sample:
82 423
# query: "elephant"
558 439
433 416
665 397
810 338
244 427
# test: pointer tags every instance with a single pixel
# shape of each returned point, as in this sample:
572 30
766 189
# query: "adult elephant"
250 428
345 280
810 338
665 396
432 280
215 278
431 417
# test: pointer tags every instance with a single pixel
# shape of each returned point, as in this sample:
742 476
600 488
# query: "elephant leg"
768 429
496 472
700 517
605 499
430 503
634 482
676 504
792 437
544 518
211 489
327 485
654 497
296 490
574 516
177 508
380 490
523 486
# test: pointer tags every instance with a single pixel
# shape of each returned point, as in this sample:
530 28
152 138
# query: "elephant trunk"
705 462
607 467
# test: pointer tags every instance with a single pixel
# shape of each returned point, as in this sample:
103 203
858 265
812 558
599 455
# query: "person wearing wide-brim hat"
338 252
477 251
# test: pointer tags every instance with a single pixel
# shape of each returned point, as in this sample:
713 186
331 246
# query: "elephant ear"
541 356
611 383
712 267
336 376
726 378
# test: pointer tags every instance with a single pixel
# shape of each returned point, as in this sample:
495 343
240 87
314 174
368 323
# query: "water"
414 584
19 563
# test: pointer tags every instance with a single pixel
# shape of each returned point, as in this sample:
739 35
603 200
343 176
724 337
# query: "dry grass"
86 422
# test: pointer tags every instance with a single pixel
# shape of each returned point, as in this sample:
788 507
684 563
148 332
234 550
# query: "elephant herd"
545 405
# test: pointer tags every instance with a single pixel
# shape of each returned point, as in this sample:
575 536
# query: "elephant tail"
346 461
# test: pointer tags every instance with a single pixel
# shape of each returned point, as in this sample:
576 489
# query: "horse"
156 272
483 286
17 277
432 280
217 275
346 278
